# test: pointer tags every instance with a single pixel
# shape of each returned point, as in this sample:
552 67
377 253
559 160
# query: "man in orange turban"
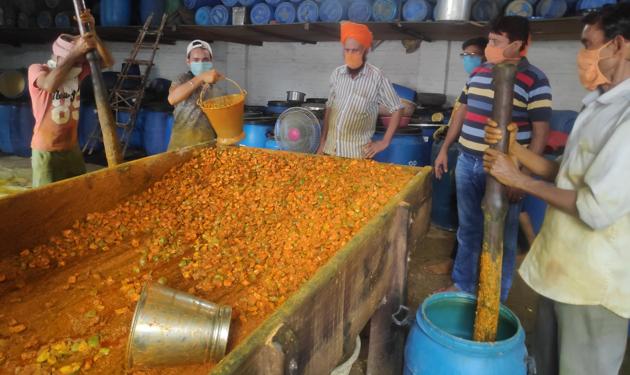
356 91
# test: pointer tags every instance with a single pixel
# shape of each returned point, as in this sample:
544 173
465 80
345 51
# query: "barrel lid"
521 8
260 14
416 10
247 3
285 12
229 3
273 2
384 10
360 11
551 8
202 16
308 11
331 11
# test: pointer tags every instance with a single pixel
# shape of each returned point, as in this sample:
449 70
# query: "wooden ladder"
125 98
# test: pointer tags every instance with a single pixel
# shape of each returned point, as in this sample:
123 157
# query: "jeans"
470 180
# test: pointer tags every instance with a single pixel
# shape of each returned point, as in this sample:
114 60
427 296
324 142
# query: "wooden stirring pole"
495 207
105 117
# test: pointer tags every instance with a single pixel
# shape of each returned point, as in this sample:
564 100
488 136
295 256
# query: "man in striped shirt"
531 111
356 90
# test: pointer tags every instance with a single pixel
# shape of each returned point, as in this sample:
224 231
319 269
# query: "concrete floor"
423 281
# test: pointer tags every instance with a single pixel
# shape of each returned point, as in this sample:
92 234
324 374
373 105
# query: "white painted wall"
268 71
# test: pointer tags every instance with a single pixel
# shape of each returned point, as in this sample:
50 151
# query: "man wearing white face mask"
55 96
191 126
579 263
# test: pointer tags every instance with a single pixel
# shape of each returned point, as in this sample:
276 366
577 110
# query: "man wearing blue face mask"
190 125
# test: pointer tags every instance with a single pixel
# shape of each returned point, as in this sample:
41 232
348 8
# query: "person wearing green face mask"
191 126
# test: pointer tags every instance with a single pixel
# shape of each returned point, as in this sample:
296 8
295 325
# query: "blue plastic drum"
585 6
115 12
332 11
261 14
256 134
360 11
416 10
230 3
551 8
308 11
285 12
385 10
196 4
407 148
220 15
521 8
6 118
485 10
62 20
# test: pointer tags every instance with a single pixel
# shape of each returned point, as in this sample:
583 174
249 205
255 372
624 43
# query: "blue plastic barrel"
427 135
562 120
405 92
521 8
444 206
332 11
416 10
360 10
385 10
485 10
230 3
115 12
156 134
44 19
285 12
585 6
440 341
136 140
551 8
308 11
407 147
248 3
203 16
273 2
256 134
196 4
88 122
272 144
62 20
22 129
535 209
155 7
6 118
261 14
220 15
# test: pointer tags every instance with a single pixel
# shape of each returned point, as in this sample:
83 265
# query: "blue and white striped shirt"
353 105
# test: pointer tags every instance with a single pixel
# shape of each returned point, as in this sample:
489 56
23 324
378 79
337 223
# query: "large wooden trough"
308 334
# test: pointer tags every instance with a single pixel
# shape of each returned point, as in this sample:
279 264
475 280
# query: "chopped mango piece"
17 328
94 341
70 369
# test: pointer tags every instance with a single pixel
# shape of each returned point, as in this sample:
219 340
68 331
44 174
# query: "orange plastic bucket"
225 114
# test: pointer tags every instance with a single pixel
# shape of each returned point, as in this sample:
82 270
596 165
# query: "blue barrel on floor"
88 122
440 341
360 11
308 11
485 10
333 11
444 206
407 148
535 208
62 20
257 133
261 14
156 133
155 7
417 10
196 4
272 144
385 10
115 12
22 129
285 12
136 141
551 8
6 118
405 92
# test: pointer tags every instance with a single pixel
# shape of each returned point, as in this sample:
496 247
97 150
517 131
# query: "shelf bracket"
412 33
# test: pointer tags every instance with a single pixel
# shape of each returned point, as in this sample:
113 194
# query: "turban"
63 45
356 31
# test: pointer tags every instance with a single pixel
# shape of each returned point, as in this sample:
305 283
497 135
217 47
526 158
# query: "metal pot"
453 10
295 96
318 109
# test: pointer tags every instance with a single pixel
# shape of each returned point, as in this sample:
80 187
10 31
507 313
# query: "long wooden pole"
495 207
105 117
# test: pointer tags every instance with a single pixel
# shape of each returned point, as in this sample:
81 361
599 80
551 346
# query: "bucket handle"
207 85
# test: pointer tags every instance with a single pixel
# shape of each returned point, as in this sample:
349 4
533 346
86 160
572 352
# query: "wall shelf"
310 33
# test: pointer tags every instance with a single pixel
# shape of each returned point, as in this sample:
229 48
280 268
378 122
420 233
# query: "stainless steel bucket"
172 328
453 10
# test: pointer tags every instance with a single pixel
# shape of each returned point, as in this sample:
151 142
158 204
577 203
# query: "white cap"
197 43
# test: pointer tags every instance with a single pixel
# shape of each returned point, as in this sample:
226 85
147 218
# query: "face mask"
198 67
353 60
496 55
588 68
471 62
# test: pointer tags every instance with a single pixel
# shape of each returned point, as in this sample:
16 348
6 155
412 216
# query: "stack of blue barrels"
16 115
